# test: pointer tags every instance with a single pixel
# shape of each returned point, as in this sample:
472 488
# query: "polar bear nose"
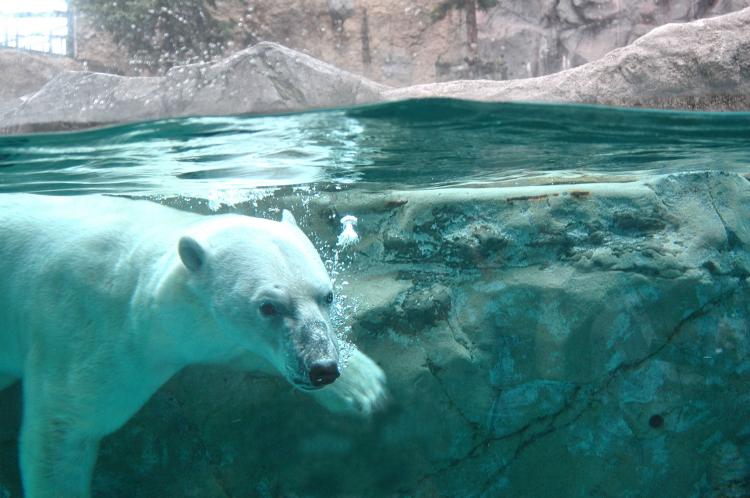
323 372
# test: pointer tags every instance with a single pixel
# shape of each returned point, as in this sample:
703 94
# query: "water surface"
404 145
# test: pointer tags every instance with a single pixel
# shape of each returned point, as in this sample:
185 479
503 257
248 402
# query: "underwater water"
559 296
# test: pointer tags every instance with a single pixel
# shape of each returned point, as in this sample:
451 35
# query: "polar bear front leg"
56 459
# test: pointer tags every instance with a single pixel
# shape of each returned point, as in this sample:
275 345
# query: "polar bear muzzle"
317 354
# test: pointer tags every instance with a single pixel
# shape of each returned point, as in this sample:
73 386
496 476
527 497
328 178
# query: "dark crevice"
434 370
700 312
732 240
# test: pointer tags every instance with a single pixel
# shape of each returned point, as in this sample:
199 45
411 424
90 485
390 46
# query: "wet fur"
100 308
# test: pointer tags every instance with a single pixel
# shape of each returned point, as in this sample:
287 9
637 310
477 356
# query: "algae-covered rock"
540 341
561 340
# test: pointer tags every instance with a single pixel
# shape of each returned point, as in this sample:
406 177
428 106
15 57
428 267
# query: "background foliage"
159 34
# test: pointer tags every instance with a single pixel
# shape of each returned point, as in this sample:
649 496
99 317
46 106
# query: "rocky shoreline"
702 65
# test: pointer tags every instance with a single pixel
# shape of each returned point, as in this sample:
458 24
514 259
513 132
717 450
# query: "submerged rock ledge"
703 64
538 341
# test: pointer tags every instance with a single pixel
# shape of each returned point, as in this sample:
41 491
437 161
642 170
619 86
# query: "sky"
15 6
33 32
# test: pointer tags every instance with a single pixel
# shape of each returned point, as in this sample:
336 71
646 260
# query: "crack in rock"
434 369
588 394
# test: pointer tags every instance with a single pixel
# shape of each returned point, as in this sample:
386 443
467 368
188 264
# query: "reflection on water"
413 144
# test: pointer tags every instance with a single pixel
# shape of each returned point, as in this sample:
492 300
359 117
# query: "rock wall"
22 72
402 43
539 341
265 78
699 65
579 340
703 64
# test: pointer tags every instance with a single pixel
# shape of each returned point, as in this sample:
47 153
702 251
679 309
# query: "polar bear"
104 299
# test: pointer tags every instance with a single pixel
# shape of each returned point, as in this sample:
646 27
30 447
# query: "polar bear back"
79 277
55 250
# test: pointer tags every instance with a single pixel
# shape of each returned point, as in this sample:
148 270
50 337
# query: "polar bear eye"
267 309
329 298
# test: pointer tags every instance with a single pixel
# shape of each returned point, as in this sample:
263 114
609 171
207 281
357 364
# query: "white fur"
98 310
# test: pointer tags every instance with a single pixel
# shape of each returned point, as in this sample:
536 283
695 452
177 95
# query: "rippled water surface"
412 144
577 347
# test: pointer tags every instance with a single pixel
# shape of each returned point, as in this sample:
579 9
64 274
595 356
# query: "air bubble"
348 236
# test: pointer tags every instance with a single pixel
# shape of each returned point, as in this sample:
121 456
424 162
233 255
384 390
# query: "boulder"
23 72
265 78
538 340
703 64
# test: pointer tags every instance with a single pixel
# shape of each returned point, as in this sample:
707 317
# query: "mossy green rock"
573 340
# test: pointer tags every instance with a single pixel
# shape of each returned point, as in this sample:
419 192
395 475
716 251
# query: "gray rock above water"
25 72
703 64
265 78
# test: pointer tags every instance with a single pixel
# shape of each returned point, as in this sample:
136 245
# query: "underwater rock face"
562 340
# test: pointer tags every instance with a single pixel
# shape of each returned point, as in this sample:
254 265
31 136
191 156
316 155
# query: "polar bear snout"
324 372
317 355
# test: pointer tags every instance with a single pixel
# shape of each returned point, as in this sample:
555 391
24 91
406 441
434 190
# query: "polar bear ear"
288 217
191 253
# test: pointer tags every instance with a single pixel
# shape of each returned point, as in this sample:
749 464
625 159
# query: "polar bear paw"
361 389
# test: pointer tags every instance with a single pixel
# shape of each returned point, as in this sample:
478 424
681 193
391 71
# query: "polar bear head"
266 291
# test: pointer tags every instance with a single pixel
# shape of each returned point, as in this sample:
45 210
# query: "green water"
413 144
